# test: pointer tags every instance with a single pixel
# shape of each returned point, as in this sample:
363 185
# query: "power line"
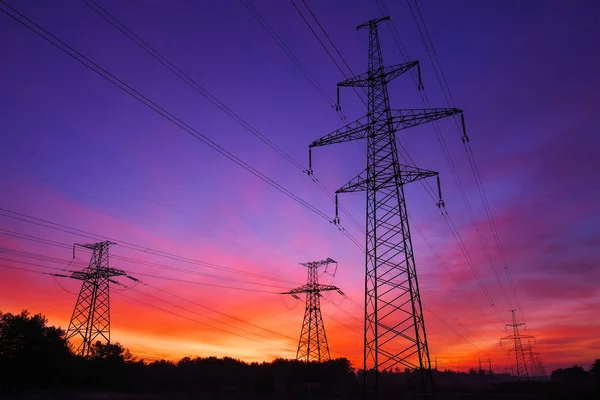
195 313
53 259
221 313
42 257
202 323
406 157
187 318
163 112
287 51
143 249
325 47
28 23
81 171
157 277
448 158
468 150
110 18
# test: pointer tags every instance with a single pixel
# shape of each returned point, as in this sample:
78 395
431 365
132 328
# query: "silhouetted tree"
595 372
573 375
111 351
32 354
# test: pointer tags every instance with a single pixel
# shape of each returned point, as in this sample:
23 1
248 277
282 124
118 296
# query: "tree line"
38 357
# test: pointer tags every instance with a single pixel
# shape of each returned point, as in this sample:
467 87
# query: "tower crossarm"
372 23
326 288
407 118
353 131
512 337
385 179
400 119
311 289
301 289
317 264
385 74
97 273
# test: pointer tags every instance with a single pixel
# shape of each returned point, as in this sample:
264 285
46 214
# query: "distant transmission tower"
91 317
312 345
516 337
537 368
394 332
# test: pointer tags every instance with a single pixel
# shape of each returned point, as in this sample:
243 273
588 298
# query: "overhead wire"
221 313
197 304
110 18
52 39
430 190
137 211
106 15
441 76
137 273
256 14
325 47
408 159
187 318
203 323
178 306
128 245
449 326
42 257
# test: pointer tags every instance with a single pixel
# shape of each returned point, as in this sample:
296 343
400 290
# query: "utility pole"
91 316
394 331
516 337
312 345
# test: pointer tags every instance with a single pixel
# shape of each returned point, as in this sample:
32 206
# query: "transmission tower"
394 331
537 368
516 337
91 317
312 345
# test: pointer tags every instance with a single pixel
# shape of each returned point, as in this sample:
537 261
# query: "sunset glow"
76 151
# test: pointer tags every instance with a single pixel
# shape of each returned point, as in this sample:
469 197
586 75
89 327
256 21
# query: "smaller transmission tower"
537 368
91 317
312 345
516 337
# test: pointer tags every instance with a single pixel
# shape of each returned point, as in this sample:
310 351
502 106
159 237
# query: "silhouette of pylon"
91 316
516 337
312 345
394 330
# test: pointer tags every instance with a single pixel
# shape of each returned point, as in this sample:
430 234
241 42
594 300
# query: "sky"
78 152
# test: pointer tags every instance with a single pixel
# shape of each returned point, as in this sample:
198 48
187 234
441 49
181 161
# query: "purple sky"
76 150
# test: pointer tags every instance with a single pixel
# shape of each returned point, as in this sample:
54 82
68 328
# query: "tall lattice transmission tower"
312 345
90 321
394 330
516 337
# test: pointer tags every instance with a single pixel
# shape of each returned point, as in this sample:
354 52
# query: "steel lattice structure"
516 337
394 331
91 317
312 345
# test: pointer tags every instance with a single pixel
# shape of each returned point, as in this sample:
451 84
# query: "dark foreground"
36 362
